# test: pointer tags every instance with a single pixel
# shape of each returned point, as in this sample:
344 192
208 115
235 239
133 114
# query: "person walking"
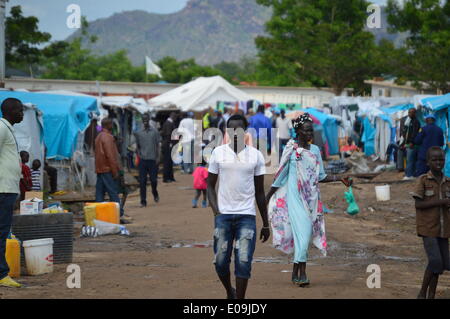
147 141
411 128
107 165
295 209
167 144
284 126
200 176
10 174
263 126
240 169
186 127
428 136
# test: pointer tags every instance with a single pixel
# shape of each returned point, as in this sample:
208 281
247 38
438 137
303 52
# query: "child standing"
432 196
36 175
200 175
25 181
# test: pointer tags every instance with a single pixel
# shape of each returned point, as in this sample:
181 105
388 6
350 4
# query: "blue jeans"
148 167
242 230
411 160
7 202
106 183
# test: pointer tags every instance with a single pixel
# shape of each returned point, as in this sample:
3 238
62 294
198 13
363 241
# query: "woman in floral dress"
295 210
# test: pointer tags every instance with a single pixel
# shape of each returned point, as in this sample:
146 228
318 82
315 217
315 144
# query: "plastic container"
108 212
383 193
39 256
89 215
13 257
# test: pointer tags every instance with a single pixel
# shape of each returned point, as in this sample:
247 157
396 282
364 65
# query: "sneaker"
204 204
9 282
194 203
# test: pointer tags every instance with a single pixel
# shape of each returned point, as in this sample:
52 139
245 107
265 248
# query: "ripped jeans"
240 229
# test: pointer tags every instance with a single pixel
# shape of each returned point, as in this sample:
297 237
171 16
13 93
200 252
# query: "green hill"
211 31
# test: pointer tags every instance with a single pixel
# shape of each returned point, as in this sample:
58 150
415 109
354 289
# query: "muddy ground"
169 254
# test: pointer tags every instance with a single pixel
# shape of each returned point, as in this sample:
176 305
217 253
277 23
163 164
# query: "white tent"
30 134
199 94
137 104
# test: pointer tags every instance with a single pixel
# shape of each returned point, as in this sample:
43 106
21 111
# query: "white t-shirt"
187 128
283 127
236 193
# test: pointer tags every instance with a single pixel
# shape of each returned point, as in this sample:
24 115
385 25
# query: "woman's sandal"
303 282
295 280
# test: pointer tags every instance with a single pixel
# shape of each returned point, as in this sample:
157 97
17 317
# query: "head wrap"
302 119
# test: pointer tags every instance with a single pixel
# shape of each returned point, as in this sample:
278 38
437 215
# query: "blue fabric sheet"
330 128
368 137
64 117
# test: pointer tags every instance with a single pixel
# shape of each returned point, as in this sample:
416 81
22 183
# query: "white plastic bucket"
39 256
383 193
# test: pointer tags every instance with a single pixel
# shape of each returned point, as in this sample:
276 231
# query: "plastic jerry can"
89 215
108 212
13 257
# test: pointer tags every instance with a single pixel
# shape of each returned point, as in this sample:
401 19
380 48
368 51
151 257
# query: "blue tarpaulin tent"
439 106
64 117
330 127
437 103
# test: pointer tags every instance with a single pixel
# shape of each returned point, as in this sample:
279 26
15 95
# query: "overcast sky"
52 13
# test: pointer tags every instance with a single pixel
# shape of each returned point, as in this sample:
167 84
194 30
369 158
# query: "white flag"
152 68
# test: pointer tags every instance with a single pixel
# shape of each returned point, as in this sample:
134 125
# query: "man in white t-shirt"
284 126
186 127
240 170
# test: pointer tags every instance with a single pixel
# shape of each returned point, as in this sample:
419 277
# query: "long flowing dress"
295 210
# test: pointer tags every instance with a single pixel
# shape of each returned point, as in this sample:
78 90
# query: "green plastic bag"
353 208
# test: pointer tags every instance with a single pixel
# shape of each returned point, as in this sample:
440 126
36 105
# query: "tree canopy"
425 59
319 41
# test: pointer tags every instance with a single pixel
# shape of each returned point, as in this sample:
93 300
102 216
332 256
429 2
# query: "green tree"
174 71
319 42
22 40
426 55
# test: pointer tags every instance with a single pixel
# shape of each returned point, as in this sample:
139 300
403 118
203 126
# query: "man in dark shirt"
147 141
167 144
430 135
411 127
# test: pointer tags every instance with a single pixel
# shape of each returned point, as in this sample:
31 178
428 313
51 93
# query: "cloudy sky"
52 13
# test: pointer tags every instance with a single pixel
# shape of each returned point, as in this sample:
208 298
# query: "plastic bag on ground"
353 208
105 228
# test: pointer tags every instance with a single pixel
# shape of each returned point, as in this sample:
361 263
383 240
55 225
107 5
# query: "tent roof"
199 94
64 117
137 104
437 103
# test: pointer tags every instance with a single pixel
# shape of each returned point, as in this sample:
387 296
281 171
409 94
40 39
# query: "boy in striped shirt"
36 175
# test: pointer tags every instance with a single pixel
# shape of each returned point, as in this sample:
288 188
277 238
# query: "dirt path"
151 263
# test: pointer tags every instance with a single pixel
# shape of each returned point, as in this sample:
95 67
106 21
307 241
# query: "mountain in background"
211 31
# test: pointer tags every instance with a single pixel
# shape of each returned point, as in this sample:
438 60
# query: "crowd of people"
414 143
291 211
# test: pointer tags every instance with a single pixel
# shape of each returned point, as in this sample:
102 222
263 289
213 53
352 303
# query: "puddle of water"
397 258
271 260
206 244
